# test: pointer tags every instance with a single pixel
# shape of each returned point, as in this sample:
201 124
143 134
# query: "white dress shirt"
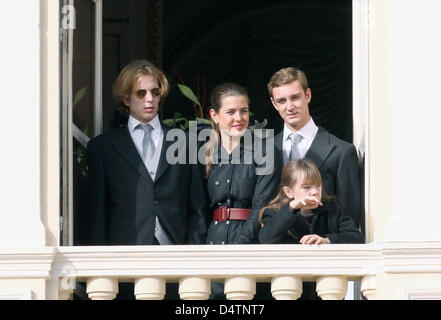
137 135
307 132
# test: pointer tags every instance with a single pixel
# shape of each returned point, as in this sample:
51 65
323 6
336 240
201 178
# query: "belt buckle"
224 213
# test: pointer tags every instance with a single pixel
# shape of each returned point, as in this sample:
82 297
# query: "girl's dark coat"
289 226
237 185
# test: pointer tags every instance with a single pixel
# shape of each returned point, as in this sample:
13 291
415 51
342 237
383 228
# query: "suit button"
156 202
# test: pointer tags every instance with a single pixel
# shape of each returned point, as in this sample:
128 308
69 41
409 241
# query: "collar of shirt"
156 133
308 131
155 123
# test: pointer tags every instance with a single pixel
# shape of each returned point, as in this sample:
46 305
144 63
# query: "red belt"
224 213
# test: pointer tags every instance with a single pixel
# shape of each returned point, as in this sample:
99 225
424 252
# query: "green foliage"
186 91
178 121
80 94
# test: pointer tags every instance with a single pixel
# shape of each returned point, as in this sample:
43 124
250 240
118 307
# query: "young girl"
302 213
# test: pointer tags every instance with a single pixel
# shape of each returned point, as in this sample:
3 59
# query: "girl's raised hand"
306 202
314 239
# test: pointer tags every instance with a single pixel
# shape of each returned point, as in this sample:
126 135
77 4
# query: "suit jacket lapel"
320 148
123 143
163 163
278 142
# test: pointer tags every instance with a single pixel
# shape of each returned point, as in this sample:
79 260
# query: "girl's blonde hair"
294 171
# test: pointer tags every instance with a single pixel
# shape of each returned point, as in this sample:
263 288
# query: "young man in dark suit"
136 196
301 138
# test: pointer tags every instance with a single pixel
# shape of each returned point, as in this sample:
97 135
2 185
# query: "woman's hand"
314 239
306 202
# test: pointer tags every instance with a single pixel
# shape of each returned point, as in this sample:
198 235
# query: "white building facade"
397 52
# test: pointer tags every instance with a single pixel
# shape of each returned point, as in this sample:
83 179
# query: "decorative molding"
411 257
16 294
26 263
219 262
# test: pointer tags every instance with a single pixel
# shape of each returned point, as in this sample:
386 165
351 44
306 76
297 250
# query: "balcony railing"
238 266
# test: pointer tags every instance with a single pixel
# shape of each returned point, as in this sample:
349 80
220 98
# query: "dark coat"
238 186
124 200
289 226
338 164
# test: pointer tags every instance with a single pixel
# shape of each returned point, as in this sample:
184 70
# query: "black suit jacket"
124 200
338 164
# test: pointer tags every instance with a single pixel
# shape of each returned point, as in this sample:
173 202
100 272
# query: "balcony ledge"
258 261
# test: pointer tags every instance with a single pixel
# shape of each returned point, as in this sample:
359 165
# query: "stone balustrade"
239 267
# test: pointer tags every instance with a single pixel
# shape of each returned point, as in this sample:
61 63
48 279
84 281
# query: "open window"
200 44
81 74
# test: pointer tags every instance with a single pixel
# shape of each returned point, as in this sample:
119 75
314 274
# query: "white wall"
20 223
415 45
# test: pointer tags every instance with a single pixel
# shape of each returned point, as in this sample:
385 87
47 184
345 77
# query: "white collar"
155 123
308 131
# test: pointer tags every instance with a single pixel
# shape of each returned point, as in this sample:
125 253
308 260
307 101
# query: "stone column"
332 287
369 287
102 288
286 287
240 288
194 288
149 288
